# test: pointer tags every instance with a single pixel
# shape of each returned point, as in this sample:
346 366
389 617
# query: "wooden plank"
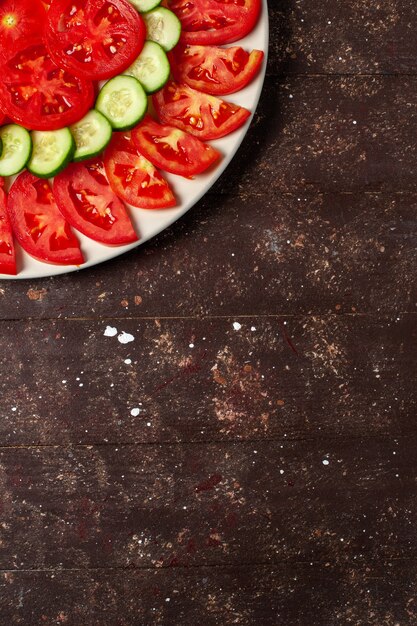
197 380
357 594
208 504
353 37
282 254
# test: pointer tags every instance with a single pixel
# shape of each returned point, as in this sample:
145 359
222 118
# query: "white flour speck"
125 337
135 412
237 326
14 408
128 361
191 345
253 328
325 462
110 331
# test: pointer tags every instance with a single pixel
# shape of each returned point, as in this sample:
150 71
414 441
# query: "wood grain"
355 37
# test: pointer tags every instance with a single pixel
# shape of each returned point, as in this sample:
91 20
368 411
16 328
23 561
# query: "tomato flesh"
172 149
7 252
38 225
133 178
85 199
38 94
97 39
216 71
19 19
200 114
215 21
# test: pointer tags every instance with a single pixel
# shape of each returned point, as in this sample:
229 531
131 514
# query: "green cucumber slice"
52 151
91 134
123 102
17 149
151 68
145 5
163 27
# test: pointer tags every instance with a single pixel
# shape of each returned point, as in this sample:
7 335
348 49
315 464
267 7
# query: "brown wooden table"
250 458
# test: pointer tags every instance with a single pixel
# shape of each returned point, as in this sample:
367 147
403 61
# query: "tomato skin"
172 149
19 20
216 71
100 40
38 225
133 178
7 251
38 95
195 112
85 199
211 22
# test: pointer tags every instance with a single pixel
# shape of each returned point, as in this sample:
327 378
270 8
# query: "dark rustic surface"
251 456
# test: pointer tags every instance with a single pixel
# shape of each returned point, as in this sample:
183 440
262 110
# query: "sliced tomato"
7 253
202 115
217 71
37 94
173 150
19 19
210 22
38 225
96 39
133 178
85 199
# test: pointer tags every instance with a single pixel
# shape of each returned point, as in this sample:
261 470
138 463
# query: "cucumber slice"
17 149
145 5
52 151
91 135
163 27
151 68
123 101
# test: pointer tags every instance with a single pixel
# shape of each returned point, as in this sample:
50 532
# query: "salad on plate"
98 100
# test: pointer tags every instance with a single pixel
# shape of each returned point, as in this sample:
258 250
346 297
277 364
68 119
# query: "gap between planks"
206 442
208 566
208 318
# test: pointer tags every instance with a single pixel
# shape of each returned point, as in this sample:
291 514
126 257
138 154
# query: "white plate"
188 192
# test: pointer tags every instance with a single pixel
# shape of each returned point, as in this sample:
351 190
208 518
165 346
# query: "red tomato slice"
7 253
204 116
217 71
96 39
133 178
172 149
19 19
215 21
38 225
37 94
85 199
